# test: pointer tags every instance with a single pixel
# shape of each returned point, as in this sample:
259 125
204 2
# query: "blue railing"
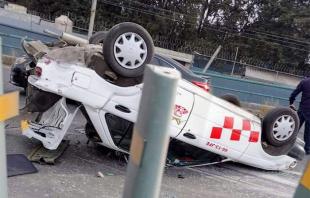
249 90
12 36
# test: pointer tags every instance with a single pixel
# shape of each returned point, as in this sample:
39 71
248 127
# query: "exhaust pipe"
69 38
73 40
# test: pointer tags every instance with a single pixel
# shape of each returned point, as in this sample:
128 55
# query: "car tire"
280 118
232 99
128 47
98 37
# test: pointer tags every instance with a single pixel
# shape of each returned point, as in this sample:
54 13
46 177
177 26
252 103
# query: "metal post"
92 17
236 55
3 170
303 189
277 75
150 140
212 58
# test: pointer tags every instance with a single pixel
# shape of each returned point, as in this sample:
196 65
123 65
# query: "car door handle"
189 135
122 108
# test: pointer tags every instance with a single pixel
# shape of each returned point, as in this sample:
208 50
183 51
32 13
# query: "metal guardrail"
251 93
12 36
249 90
239 65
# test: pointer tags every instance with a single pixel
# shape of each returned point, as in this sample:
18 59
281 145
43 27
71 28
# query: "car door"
181 111
218 126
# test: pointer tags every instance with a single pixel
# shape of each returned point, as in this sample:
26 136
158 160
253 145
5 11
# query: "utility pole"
92 18
149 145
8 109
3 170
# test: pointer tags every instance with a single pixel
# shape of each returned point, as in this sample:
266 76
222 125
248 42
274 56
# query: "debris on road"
44 156
100 174
110 174
180 176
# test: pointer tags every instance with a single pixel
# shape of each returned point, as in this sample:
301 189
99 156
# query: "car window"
165 64
177 65
185 72
155 61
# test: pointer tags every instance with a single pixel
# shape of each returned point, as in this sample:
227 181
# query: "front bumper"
298 152
52 126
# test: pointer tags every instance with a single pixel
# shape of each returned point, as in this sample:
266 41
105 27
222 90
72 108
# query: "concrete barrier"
8 60
272 76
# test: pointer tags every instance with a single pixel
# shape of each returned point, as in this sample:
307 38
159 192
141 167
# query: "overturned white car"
201 122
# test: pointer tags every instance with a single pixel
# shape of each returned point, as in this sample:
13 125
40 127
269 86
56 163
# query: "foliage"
274 31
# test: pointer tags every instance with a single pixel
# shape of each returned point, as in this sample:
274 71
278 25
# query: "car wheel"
232 99
98 37
280 126
128 47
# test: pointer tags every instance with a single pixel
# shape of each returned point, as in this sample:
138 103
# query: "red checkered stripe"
216 132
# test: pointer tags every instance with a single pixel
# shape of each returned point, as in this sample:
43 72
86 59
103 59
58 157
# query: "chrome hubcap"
130 50
283 128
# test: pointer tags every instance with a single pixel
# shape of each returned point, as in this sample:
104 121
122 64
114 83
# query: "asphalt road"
74 174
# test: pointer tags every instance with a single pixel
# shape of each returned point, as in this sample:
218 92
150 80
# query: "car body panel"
21 70
207 118
211 120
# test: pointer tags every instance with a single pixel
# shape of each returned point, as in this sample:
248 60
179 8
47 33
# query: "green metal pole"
92 18
303 189
150 140
3 173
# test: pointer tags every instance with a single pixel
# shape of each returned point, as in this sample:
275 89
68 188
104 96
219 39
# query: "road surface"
74 174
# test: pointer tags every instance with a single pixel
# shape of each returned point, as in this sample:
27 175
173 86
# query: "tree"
276 32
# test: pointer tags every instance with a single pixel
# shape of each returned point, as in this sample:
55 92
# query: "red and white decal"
178 113
216 132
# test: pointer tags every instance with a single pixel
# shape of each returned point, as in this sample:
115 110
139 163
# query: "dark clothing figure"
304 108
304 117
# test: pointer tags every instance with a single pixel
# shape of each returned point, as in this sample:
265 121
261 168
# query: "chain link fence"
227 60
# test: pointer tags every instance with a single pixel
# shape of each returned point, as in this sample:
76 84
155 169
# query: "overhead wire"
226 30
194 18
275 39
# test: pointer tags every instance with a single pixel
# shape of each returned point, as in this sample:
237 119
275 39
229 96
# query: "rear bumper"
52 126
40 101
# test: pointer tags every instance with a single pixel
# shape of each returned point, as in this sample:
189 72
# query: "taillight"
202 85
38 71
